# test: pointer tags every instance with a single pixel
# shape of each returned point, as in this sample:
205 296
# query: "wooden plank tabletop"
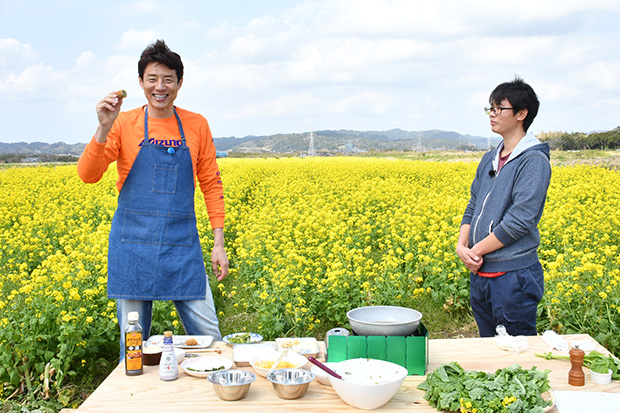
147 393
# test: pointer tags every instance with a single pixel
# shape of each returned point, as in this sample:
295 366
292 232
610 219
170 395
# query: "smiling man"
154 251
498 238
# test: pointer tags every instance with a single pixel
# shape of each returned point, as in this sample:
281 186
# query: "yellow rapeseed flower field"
307 239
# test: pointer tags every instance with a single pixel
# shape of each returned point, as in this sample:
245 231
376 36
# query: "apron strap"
146 126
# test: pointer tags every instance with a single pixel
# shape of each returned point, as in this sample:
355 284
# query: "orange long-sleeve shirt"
123 144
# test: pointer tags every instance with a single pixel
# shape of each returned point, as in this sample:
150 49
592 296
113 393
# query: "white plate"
307 346
205 365
179 341
242 353
254 338
321 375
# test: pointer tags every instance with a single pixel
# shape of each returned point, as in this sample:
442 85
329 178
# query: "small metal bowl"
290 383
231 384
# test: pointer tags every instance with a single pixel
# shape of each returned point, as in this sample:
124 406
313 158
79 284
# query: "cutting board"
580 402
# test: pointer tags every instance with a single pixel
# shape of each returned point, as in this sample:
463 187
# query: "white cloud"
136 40
343 63
14 53
34 79
143 6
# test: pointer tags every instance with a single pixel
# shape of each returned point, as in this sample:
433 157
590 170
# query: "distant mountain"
339 141
325 141
42 148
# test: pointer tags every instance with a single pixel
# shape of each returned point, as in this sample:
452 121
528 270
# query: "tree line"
572 141
39 158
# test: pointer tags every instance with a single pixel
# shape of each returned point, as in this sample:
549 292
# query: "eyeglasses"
497 110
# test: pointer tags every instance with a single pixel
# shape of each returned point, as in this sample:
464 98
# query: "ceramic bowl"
205 365
152 355
383 320
179 353
290 383
367 383
263 362
231 384
601 378
242 338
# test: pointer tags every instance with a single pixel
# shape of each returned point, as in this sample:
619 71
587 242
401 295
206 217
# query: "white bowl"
601 378
205 365
179 353
296 360
321 375
367 383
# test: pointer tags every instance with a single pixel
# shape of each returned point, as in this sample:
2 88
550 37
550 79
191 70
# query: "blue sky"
265 67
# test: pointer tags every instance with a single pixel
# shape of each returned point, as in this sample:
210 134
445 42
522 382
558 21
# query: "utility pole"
311 151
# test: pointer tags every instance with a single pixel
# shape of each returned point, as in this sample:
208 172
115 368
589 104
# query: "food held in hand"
191 342
121 94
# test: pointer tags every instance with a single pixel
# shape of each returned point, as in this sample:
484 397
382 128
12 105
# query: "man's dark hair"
159 52
520 95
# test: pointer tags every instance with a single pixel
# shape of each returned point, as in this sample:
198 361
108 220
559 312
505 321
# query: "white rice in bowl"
369 371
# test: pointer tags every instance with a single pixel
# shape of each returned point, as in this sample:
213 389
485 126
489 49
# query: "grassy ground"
609 159
440 323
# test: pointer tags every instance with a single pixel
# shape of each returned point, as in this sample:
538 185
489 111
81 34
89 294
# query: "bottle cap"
167 333
133 316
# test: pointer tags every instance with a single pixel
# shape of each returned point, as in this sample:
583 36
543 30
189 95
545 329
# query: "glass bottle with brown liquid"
133 346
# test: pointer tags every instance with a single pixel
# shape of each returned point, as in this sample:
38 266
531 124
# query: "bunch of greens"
511 389
595 361
241 338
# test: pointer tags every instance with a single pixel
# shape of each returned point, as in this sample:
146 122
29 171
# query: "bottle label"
133 351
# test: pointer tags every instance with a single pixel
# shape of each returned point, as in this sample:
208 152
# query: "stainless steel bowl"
383 320
231 384
290 383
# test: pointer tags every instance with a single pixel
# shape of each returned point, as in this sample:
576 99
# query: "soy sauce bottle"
133 345
168 369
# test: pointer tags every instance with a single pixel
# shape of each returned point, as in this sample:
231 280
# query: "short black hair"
159 52
520 95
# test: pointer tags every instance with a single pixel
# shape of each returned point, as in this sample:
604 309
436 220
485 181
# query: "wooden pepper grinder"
576 377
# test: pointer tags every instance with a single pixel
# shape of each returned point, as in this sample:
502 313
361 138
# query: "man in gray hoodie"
498 238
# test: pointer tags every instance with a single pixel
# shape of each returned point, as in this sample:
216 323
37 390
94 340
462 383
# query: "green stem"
27 377
550 356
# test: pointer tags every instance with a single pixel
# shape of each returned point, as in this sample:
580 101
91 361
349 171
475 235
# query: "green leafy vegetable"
241 338
509 390
595 361
206 370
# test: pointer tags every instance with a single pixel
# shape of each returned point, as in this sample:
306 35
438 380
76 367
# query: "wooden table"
147 393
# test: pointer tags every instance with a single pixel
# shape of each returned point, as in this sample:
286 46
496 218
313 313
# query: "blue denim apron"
154 250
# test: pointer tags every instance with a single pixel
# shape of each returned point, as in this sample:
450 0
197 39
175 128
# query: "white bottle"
168 368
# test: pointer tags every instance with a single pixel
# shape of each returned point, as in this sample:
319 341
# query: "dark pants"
510 299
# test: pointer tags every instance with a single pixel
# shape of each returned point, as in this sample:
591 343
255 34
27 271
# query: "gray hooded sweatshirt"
509 203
